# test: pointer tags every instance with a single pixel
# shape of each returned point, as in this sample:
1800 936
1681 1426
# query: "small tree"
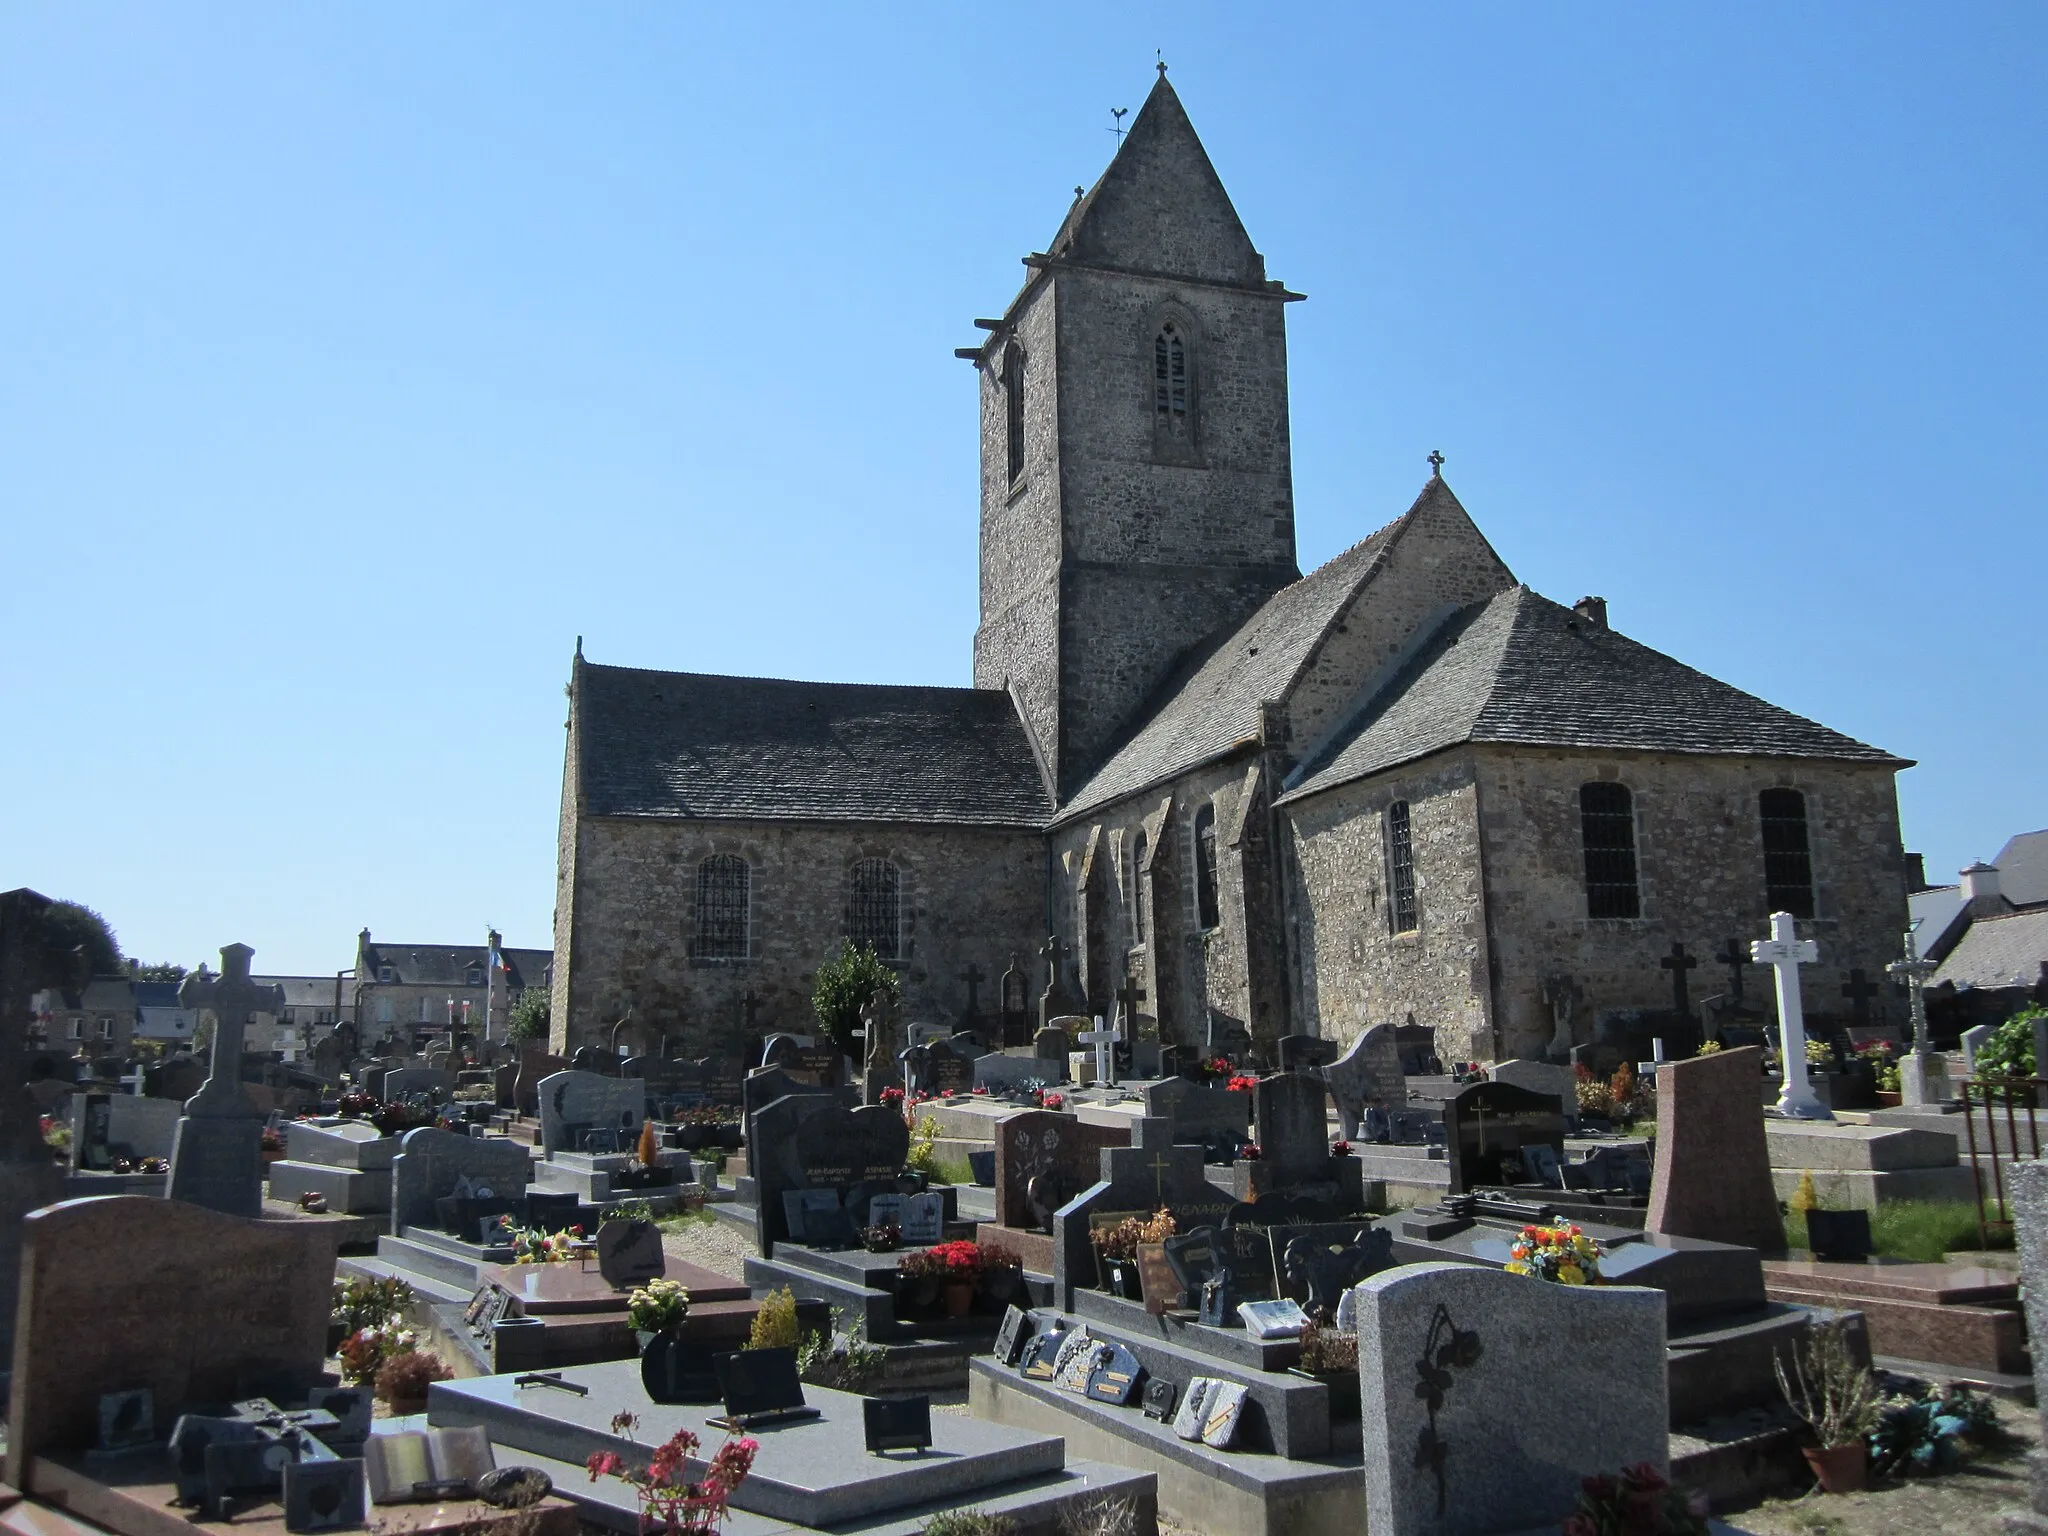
79 927
844 985
163 970
2010 1050
529 1020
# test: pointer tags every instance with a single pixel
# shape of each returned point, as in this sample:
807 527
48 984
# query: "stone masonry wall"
1351 970
969 896
1700 865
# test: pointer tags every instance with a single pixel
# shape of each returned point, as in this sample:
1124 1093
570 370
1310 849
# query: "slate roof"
691 745
2023 869
1213 707
1998 952
1938 910
1521 669
302 991
443 965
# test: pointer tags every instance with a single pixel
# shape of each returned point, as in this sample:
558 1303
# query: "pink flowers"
669 1503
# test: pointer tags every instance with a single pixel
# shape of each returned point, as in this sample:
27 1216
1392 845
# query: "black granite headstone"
759 1382
1486 1125
897 1423
1013 1335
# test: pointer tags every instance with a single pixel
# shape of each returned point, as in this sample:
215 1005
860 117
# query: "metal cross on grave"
1859 990
1052 949
1103 1040
1159 1166
1733 956
1128 996
1914 971
231 997
1784 952
973 977
1678 962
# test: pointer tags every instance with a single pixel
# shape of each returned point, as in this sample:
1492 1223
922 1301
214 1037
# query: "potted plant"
656 1312
1330 1356
959 1265
670 1504
1838 1399
1002 1273
884 1237
404 1378
917 1280
1638 1501
273 1145
1340 1148
1118 1245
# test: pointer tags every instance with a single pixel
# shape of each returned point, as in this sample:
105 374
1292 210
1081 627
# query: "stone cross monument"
1103 1040
1923 1076
1784 952
217 1156
880 1047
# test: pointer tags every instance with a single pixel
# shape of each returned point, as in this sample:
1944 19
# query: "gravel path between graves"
714 1245
1971 1501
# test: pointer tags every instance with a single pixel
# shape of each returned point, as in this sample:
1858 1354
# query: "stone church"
1402 787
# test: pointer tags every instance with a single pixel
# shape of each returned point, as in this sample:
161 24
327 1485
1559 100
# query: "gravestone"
1229 1040
437 1083
1560 1082
1294 1144
629 1253
950 1067
1486 1126
1043 1160
1712 1175
1196 1113
120 1292
1974 1040
534 1064
34 954
915 1062
216 1159
1150 1173
1487 1397
1002 1075
1016 1008
110 1125
1051 1045
1367 1076
573 1103
1302 1053
811 1141
432 1162
878 1045
924 1218
1316 1265
822 1063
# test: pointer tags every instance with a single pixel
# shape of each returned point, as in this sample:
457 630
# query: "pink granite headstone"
1712 1177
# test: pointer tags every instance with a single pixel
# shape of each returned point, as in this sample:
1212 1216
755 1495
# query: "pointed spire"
1160 205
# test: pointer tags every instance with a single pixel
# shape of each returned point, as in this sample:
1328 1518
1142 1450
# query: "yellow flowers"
1562 1254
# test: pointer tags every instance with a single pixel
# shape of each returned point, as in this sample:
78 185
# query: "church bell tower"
1137 496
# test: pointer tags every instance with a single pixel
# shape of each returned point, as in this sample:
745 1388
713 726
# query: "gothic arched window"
1401 916
1173 390
1138 887
1788 857
874 916
1607 828
1205 867
1013 407
724 894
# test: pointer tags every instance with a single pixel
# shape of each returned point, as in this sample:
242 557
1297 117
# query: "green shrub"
775 1323
2010 1050
529 1021
969 1522
843 986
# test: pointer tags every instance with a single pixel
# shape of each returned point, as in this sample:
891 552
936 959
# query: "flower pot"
1123 1280
958 1296
1887 1100
400 1406
1001 1284
1839 1468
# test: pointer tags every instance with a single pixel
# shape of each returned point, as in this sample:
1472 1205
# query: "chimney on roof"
1981 893
1593 610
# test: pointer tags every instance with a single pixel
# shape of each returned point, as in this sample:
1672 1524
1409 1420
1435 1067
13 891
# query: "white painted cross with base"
1104 1041
1784 952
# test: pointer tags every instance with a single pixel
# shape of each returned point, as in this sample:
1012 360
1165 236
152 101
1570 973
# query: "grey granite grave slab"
430 1162
1293 1140
339 1144
1559 1081
585 1099
1000 1073
403 1082
1194 1109
1487 1397
814 1473
1367 1076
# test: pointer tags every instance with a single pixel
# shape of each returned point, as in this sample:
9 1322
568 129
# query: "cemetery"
1208 1292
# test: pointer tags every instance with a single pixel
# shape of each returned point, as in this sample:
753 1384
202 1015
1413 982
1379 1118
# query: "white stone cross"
1784 952
1104 1041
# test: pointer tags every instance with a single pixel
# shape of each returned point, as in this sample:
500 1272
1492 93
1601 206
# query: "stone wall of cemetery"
1351 970
1700 873
968 896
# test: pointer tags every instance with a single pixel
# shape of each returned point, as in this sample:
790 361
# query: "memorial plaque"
1246 1255
1187 1423
826 1224
822 1064
897 1423
1156 1278
127 1420
1160 1397
1272 1319
1041 1354
1839 1236
924 1219
886 1211
1013 1335
323 1495
1116 1378
1192 1257
759 1381
629 1253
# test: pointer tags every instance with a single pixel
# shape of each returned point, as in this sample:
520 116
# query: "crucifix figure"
1102 1039
1859 990
1923 1076
1735 958
1784 952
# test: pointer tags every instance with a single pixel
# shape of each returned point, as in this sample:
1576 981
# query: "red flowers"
1242 1083
671 1504
1251 1152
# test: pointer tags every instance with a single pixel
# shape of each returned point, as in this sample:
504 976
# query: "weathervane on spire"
1436 465
1118 130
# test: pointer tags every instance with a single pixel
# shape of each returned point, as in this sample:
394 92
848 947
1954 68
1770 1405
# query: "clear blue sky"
355 359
